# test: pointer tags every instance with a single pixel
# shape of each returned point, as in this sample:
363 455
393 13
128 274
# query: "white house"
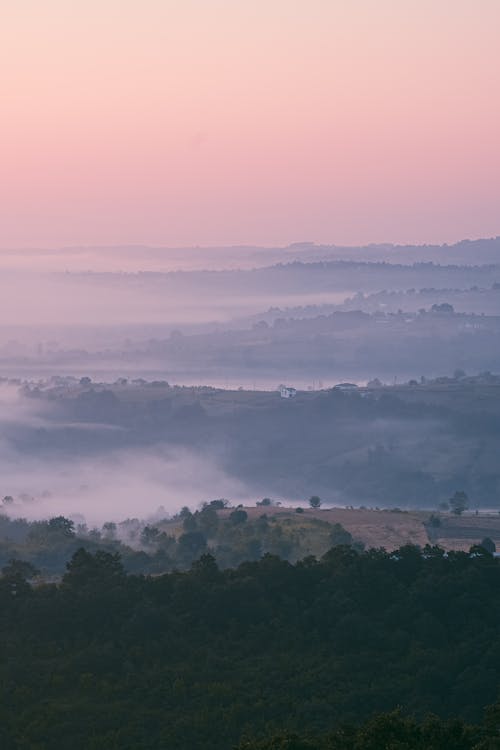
286 392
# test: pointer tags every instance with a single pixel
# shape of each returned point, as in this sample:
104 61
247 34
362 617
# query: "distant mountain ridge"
468 252
138 257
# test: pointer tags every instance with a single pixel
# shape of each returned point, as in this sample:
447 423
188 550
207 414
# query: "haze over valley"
131 389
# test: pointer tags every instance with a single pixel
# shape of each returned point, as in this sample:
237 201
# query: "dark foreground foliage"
389 732
207 658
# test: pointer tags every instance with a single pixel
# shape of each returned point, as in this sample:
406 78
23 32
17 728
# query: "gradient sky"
179 122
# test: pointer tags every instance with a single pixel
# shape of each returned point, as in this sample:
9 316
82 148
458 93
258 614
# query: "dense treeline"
392 732
174 544
209 658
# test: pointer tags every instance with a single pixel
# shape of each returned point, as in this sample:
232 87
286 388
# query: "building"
346 387
286 392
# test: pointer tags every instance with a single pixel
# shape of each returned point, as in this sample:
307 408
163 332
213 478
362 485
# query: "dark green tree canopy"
85 568
317 648
489 545
458 503
238 516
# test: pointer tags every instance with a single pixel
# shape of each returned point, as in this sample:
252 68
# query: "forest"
210 658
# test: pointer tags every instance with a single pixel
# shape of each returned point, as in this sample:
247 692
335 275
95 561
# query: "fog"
54 302
134 322
121 323
112 485
107 452
133 258
123 484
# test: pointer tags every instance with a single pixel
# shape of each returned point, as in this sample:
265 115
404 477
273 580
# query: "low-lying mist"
133 482
128 484
107 451
118 438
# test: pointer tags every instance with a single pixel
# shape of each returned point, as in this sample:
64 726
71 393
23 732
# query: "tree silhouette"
315 501
458 503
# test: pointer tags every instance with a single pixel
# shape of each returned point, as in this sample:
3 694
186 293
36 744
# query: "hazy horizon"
161 258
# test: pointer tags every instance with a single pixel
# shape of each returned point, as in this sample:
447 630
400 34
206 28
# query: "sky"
218 122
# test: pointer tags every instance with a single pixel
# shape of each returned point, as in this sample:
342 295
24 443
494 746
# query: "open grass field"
390 529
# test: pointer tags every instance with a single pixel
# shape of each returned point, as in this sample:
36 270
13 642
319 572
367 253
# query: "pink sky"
180 122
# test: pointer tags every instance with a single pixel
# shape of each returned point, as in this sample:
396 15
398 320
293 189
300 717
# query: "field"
390 529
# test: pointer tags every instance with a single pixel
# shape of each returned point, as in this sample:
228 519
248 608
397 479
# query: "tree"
315 501
85 568
238 516
459 502
219 504
489 545
63 525
150 535
14 581
109 530
192 544
19 570
444 307
208 521
189 523
206 567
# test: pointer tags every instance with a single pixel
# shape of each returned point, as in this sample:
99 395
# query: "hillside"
408 446
311 530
